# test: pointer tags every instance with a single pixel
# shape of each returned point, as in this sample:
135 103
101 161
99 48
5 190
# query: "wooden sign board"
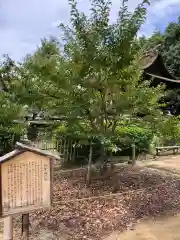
26 183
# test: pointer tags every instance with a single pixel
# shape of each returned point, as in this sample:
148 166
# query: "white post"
133 154
8 228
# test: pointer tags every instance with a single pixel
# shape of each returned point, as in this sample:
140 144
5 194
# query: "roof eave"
21 148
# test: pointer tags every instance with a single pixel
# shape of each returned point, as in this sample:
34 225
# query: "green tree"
170 130
169 46
153 42
170 50
10 108
96 79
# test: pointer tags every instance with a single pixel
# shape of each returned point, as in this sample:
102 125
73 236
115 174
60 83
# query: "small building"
26 180
153 67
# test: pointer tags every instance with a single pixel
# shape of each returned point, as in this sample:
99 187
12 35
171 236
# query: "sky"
23 23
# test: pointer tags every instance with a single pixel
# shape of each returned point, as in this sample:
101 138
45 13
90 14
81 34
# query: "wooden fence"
63 147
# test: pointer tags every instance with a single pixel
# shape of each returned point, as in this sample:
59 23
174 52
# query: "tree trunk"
88 179
104 160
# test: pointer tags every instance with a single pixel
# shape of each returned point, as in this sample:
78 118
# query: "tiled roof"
20 148
148 59
154 58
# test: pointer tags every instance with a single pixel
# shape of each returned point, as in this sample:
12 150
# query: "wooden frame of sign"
25 180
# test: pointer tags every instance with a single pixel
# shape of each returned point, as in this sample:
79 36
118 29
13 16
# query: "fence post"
88 179
133 154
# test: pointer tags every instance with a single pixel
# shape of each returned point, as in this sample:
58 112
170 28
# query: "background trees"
10 109
94 80
169 46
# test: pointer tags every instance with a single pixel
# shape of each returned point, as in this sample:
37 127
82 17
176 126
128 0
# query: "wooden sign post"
25 184
8 228
25 226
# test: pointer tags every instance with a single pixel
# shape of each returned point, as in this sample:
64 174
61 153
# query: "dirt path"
167 227
169 164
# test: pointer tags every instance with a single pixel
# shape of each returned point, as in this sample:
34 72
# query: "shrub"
127 135
7 141
170 130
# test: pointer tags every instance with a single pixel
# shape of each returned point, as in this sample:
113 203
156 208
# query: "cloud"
160 13
24 23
